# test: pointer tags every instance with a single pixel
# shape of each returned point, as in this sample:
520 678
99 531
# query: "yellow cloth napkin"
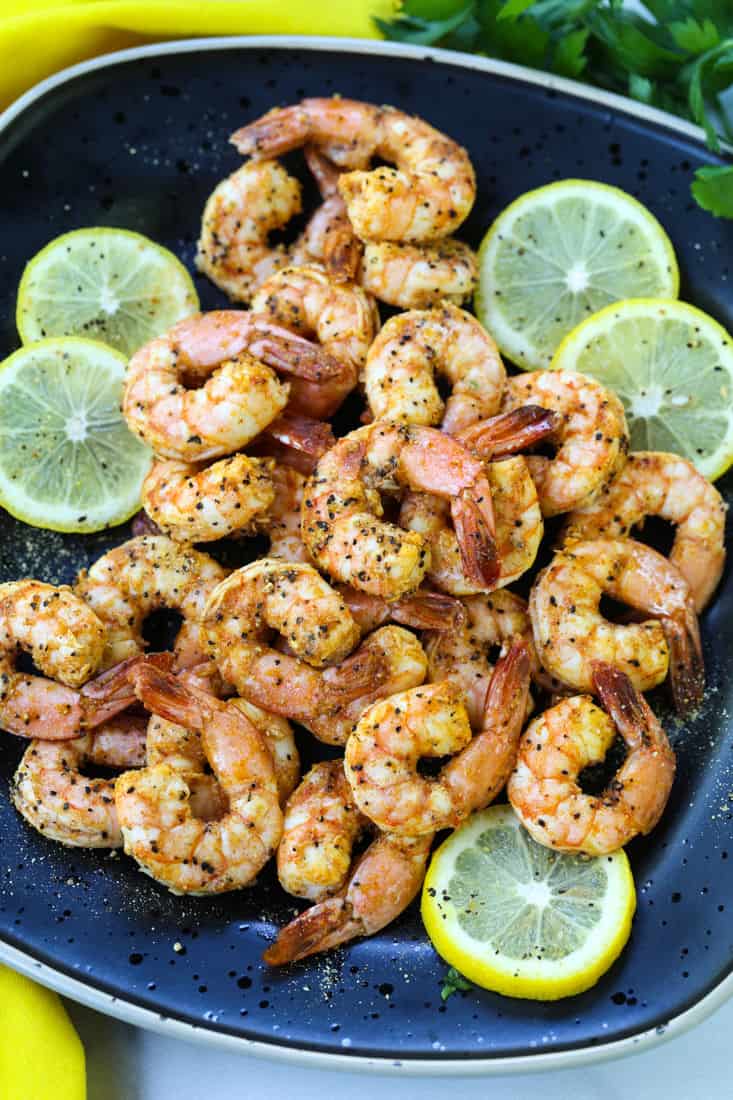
39 37
41 1057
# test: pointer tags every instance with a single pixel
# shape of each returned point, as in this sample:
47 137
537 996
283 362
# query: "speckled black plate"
139 140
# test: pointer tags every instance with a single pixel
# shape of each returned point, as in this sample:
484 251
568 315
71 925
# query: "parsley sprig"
677 56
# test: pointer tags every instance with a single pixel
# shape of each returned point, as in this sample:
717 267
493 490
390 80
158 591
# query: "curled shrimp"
180 747
230 358
145 574
187 853
592 437
427 195
461 655
56 798
412 276
518 529
233 249
399 376
329 237
555 748
382 883
401 663
653 483
571 634
342 526
383 751
189 503
292 599
341 317
321 826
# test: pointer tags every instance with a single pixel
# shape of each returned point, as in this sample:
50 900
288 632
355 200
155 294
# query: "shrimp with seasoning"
242 211
461 655
554 749
193 504
342 526
419 276
320 829
229 357
56 798
66 640
383 751
145 574
187 853
389 874
292 599
399 376
341 317
570 632
653 483
402 665
592 438
426 196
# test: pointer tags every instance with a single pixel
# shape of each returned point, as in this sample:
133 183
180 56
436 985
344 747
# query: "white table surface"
126 1063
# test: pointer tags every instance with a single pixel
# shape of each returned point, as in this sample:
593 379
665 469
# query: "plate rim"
127 1011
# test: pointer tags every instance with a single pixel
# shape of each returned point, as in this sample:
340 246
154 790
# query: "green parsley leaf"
569 58
514 8
454 982
422 32
693 36
712 189
640 88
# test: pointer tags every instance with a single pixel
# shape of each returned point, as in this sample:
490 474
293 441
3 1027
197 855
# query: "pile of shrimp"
380 623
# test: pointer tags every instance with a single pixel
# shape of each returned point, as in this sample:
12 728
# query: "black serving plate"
139 141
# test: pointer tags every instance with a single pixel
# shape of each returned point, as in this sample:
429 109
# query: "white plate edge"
133 1014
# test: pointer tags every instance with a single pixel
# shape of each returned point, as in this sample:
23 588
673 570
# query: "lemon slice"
672 366
106 284
520 919
68 461
560 253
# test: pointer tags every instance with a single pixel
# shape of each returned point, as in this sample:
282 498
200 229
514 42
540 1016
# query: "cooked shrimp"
189 854
57 799
427 195
329 237
383 751
181 747
399 376
419 276
401 662
66 641
518 529
341 317
555 748
342 528
321 826
656 484
282 520
570 633
591 441
461 655
423 610
231 356
241 212
381 885
142 575
189 503
292 599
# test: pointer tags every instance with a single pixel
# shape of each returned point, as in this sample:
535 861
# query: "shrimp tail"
627 707
360 673
324 171
687 672
510 432
302 433
277 132
284 351
112 692
165 695
474 526
508 690
319 928
425 610
142 524
342 250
